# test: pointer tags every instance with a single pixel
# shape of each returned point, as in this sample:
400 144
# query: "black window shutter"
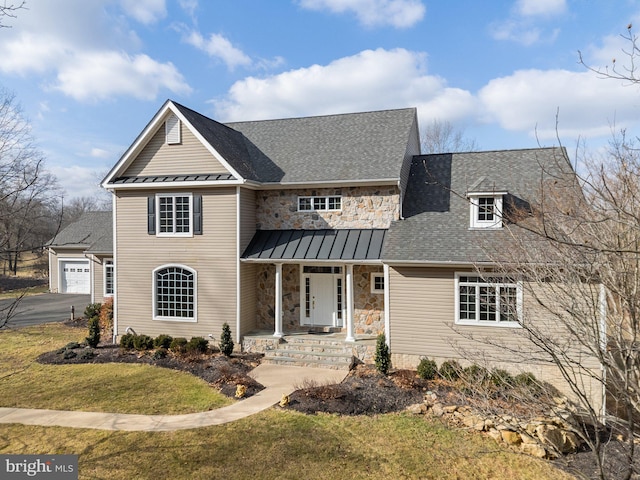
197 214
151 215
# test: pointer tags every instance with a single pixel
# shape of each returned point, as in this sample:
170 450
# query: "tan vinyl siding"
247 217
54 257
248 310
422 317
158 158
97 287
212 255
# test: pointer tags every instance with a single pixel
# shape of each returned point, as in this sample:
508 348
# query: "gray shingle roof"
436 208
93 232
347 147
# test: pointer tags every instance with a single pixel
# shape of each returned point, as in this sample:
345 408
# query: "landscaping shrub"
226 343
383 355
72 345
197 345
87 354
92 310
162 341
160 353
475 374
94 332
427 369
178 345
106 317
68 354
501 378
142 342
450 370
126 340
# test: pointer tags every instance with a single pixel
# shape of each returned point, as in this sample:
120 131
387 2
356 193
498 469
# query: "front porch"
311 349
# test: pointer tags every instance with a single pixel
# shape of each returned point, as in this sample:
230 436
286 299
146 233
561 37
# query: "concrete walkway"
278 380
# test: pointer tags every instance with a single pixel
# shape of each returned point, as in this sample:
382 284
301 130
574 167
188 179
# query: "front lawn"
276 443
118 388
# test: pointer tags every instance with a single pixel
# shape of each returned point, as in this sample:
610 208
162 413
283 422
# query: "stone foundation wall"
362 207
368 308
266 295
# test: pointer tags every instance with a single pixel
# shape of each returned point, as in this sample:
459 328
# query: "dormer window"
485 210
172 130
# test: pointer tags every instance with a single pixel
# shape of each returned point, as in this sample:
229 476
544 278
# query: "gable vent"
172 130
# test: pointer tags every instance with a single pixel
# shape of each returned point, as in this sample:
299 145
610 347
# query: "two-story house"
322 223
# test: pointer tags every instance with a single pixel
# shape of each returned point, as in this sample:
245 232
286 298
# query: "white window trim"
326 197
154 295
488 323
108 261
174 234
373 276
474 200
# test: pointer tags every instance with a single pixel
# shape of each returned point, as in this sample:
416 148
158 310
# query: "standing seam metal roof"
324 244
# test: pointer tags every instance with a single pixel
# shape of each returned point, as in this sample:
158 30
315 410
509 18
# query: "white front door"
322 300
321 297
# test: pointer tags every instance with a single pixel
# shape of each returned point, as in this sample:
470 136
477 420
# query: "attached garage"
75 276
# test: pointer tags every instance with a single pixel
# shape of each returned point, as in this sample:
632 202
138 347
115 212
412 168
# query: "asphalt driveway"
45 308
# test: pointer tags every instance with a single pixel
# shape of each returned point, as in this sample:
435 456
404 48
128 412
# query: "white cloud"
77 181
189 6
528 100
523 26
528 8
91 76
87 53
217 46
397 13
370 80
100 153
145 11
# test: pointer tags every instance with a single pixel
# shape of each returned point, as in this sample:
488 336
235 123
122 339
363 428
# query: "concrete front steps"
319 350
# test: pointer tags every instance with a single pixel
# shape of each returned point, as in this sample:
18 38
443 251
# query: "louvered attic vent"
172 130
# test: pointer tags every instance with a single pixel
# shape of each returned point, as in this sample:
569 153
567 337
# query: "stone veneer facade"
362 207
368 311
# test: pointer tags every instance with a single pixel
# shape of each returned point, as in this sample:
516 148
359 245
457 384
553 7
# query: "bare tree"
441 137
29 196
9 11
628 71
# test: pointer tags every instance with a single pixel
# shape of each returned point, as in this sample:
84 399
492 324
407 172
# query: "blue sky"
90 74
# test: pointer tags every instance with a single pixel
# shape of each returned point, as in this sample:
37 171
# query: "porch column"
349 281
278 302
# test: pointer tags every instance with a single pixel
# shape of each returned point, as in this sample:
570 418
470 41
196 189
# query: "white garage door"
75 276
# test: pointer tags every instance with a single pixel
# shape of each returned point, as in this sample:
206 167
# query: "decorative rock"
559 440
495 434
450 408
417 409
437 410
510 437
533 449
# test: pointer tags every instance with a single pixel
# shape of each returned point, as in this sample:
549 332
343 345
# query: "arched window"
174 293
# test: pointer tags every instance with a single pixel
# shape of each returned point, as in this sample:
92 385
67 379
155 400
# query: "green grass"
119 388
273 444
285 445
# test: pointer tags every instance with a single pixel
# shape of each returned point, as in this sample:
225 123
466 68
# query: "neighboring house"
331 222
81 257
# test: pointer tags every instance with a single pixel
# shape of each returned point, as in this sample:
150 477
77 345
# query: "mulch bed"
223 373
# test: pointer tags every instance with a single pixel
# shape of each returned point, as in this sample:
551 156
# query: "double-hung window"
174 215
489 301
174 293
108 278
